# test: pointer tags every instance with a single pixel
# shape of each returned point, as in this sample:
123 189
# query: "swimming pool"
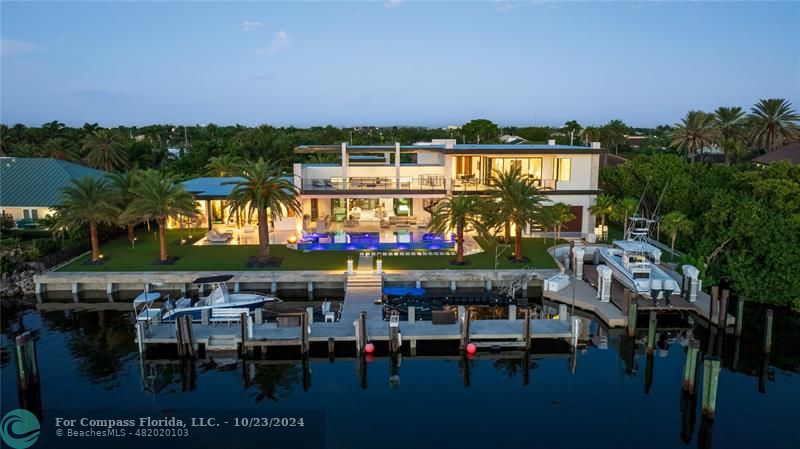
358 241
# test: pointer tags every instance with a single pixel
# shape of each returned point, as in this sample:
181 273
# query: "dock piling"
394 331
27 362
304 334
690 368
651 332
331 349
633 313
204 317
712 311
723 310
185 336
739 315
411 314
711 369
526 329
512 312
243 333
465 331
259 316
768 332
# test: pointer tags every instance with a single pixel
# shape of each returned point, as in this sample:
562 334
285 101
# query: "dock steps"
221 343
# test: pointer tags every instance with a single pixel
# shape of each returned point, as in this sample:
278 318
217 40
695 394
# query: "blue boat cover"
402 291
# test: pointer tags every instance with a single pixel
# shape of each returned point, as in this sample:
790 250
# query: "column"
397 163
345 163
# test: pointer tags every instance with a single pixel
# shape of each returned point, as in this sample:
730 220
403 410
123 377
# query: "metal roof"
214 188
37 182
211 188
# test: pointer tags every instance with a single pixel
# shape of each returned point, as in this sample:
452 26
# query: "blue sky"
395 62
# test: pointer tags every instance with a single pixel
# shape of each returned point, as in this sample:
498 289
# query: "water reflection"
613 373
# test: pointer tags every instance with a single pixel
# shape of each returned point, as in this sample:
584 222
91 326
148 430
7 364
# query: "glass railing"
421 182
475 184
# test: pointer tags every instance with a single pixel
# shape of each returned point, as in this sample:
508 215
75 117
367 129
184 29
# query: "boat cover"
402 291
213 279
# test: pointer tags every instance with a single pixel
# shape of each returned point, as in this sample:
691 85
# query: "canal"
608 394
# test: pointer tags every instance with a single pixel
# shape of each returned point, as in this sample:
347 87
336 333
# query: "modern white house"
374 194
396 186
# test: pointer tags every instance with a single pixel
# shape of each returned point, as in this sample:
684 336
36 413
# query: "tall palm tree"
560 214
624 209
591 134
520 204
603 207
675 223
773 122
695 132
225 165
105 150
614 134
123 184
85 201
264 190
157 197
498 211
729 122
459 212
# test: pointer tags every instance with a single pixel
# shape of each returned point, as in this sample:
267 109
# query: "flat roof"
462 148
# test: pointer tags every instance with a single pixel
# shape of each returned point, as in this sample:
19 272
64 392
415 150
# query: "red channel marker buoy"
471 348
369 348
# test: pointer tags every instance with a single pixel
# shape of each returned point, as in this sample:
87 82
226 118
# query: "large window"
528 166
467 166
563 169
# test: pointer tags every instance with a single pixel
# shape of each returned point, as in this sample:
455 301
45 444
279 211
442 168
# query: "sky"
391 62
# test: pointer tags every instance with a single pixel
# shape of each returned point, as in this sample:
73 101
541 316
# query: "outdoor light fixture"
292 239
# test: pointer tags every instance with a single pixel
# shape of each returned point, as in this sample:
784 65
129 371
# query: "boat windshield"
218 296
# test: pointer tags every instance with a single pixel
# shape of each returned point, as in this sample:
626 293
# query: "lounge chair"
217 237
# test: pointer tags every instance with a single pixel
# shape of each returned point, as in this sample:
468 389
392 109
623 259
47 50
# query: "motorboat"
634 263
218 298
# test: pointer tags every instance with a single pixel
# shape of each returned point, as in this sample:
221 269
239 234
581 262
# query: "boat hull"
197 312
643 286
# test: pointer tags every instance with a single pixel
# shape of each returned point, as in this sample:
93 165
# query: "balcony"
466 183
376 184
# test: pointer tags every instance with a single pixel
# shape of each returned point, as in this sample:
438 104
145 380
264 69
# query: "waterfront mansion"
368 188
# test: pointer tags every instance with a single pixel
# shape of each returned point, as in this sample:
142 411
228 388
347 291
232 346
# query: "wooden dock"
363 290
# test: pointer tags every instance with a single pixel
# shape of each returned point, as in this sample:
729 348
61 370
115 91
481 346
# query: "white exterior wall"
16 212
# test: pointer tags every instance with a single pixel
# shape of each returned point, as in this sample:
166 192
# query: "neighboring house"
31 187
398 185
789 153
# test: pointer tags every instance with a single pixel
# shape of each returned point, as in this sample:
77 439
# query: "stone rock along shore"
20 283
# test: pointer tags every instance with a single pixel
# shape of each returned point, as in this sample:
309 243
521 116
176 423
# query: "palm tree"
264 190
520 204
773 121
457 212
225 165
729 122
157 197
87 201
695 132
59 148
603 207
625 208
675 223
614 134
498 211
591 134
122 185
105 150
560 214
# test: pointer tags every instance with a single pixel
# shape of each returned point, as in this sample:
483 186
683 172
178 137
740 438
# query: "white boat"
634 263
219 298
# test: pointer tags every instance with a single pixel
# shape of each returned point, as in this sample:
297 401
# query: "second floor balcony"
427 183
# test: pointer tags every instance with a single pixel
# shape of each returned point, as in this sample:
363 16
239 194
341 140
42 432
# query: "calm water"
89 360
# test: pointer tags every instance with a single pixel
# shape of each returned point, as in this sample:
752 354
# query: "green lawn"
122 257
534 249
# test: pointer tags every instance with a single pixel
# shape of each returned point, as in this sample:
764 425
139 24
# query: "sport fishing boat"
634 263
219 298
